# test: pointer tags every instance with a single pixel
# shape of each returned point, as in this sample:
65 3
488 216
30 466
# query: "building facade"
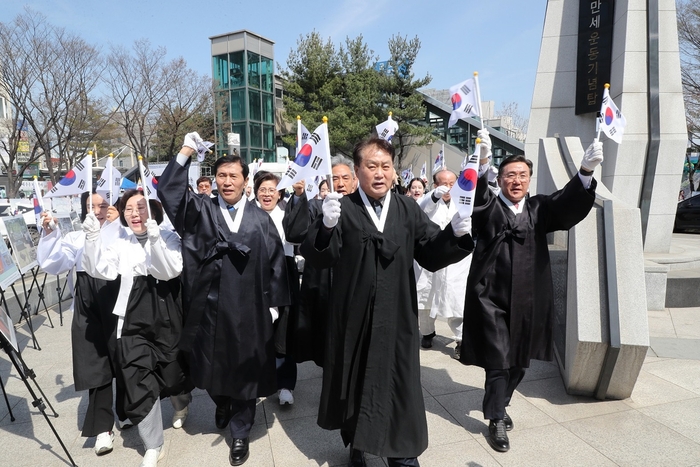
244 79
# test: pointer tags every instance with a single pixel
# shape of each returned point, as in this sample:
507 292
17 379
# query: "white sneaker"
152 456
104 443
125 424
285 396
179 417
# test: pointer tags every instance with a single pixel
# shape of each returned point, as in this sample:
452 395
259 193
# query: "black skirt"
93 331
149 359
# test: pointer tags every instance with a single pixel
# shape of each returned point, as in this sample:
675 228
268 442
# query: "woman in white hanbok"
149 262
93 326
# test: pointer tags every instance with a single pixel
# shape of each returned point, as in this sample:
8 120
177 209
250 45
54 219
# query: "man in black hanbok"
234 279
371 379
508 307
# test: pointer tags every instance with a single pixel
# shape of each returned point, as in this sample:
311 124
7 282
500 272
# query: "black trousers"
286 372
498 390
243 414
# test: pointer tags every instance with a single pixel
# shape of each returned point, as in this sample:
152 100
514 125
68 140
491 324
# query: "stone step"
683 288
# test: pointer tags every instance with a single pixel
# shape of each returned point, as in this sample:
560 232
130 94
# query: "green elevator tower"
244 98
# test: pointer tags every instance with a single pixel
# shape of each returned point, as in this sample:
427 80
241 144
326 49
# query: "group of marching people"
216 301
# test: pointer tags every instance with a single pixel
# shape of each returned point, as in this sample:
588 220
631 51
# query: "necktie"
377 205
231 210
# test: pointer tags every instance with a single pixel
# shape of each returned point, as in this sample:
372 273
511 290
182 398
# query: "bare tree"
512 121
688 15
49 76
185 108
139 82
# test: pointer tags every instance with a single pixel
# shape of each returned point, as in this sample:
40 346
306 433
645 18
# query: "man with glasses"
508 307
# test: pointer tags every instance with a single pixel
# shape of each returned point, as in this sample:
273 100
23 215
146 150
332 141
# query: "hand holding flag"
463 191
194 141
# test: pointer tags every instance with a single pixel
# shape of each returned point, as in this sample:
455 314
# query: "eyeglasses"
266 191
130 211
512 176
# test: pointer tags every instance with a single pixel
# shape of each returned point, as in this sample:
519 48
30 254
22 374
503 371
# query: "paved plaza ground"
658 426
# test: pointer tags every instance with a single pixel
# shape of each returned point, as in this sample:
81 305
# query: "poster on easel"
7 328
8 269
23 249
62 206
65 223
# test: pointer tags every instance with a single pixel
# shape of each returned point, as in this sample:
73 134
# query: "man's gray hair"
342 160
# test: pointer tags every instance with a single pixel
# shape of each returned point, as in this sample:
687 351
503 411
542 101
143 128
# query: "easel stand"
24 313
7 401
40 291
60 290
26 373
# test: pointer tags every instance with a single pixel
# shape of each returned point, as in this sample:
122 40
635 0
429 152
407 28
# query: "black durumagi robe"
230 281
371 379
508 308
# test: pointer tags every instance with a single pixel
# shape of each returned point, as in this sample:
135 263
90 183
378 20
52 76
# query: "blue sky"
500 38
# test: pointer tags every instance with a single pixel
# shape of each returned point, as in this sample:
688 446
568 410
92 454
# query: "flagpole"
599 117
89 183
298 135
143 184
331 188
478 98
442 149
111 181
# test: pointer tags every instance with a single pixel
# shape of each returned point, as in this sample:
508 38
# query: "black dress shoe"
497 438
427 341
223 415
357 458
508 422
239 451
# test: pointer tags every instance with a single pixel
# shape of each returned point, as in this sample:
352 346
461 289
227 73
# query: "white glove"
461 225
331 209
91 227
440 191
194 141
485 145
593 156
153 230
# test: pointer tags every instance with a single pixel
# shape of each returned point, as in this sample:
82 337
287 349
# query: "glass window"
221 71
253 70
268 137
255 135
267 76
238 104
223 112
254 111
268 108
240 129
244 155
236 67
270 156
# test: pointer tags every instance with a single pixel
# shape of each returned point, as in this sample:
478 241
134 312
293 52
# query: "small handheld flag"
407 174
77 180
423 172
463 191
464 101
109 182
312 159
439 160
611 121
387 128
146 181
